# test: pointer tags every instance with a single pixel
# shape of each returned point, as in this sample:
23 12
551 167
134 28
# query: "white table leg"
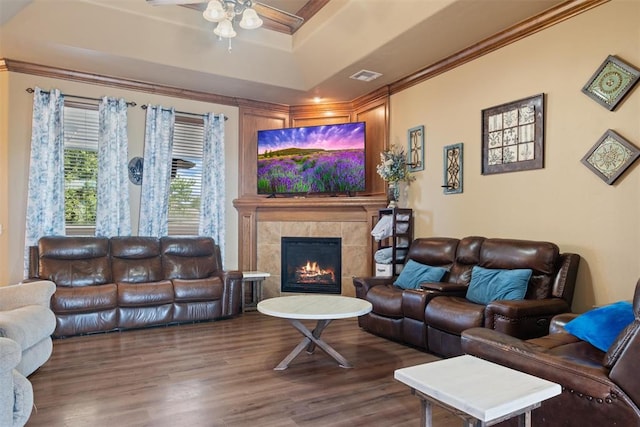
309 342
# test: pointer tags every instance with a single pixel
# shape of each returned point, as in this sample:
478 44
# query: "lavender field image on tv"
314 159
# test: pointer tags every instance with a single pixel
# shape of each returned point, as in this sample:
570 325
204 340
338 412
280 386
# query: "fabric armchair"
25 317
16 393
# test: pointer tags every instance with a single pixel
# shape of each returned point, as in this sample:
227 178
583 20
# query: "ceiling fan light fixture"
214 12
250 20
225 29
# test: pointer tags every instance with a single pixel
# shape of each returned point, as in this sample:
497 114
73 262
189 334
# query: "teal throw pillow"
601 326
494 284
415 273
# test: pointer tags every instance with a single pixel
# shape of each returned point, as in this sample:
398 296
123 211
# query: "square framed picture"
452 158
610 156
613 80
415 155
513 136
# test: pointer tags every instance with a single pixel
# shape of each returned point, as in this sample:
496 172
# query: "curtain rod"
144 107
31 90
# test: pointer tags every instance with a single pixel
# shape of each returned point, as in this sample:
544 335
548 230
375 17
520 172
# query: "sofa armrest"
364 284
587 378
453 289
232 297
558 322
523 319
23 294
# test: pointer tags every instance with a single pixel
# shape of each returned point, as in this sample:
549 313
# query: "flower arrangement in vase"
393 168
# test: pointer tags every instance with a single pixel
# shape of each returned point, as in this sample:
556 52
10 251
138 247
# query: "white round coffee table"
324 309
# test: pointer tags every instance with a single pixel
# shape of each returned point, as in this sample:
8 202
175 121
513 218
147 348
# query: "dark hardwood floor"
221 374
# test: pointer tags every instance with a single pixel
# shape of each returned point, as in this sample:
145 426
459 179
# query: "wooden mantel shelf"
253 209
362 202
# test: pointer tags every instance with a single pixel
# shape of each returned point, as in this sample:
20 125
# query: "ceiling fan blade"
278 16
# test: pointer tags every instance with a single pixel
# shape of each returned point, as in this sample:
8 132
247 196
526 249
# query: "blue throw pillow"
415 273
601 326
493 284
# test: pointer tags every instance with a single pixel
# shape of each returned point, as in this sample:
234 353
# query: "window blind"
186 177
80 127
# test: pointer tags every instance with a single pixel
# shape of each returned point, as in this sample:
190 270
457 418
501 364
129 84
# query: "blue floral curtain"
113 216
212 202
45 200
154 194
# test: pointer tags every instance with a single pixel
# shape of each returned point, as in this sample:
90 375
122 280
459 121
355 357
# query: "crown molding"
98 79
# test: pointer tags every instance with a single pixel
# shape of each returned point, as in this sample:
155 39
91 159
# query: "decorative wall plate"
610 156
611 82
416 149
136 166
452 158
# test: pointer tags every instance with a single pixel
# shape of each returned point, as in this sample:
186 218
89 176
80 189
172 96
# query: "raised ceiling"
174 46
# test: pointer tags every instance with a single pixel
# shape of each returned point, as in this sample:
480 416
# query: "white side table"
255 278
480 392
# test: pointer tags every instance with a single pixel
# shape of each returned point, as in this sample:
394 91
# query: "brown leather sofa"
120 283
433 317
598 388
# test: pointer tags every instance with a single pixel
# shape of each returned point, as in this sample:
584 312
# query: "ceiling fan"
273 18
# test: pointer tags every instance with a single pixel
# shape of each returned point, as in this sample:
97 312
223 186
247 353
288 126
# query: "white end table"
324 309
480 392
255 278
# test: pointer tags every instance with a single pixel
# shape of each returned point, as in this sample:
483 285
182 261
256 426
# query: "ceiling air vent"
365 75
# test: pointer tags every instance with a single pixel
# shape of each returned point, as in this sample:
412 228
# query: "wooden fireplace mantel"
253 209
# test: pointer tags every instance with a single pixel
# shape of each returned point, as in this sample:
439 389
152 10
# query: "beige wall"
15 154
564 202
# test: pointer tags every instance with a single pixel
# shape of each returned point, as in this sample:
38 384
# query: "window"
186 176
80 168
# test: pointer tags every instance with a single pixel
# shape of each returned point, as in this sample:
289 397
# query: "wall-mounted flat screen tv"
312 159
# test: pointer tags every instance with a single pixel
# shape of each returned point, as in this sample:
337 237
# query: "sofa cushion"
27 325
209 289
495 284
453 314
415 273
136 259
84 299
145 294
386 300
601 326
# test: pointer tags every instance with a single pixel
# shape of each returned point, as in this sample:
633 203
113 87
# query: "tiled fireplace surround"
263 222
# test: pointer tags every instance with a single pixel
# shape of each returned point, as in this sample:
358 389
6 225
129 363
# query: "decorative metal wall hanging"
613 80
610 156
452 158
136 166
513 136
416 149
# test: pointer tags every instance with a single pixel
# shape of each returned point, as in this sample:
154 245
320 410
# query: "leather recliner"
129 282
598 388
434 316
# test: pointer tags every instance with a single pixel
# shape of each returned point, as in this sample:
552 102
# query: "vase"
393 194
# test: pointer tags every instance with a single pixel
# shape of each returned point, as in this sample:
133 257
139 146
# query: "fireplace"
311 264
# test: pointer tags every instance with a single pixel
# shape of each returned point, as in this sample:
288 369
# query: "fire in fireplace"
311 264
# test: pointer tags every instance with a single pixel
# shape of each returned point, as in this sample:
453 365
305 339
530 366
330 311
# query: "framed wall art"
415 154
513 136
610 156
611 82
452 158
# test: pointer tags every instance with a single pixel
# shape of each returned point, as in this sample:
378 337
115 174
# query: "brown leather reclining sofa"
120 283
598 388
434 316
